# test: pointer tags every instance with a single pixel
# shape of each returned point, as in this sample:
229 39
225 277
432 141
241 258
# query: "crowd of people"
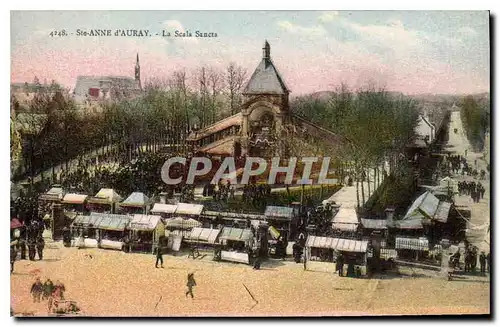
52 293
253 193
474 190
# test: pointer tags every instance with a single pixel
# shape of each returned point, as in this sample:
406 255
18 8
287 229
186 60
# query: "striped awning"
417 244
338 244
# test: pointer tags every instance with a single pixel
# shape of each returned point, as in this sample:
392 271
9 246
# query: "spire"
266 51
138 71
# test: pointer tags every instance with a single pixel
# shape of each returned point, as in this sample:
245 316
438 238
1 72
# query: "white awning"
163 208
75 198
347 227
144 222
346 216
338 244
418 244
207 235
189 209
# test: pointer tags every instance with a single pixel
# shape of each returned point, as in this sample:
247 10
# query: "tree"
235 79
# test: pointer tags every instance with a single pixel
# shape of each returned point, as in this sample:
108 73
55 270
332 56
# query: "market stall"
282 219
136 203
104 201
47 202
146 231
83 231
236 245
164 210
73 202
188 210
177 228
412 248
202 238
322 252
111 230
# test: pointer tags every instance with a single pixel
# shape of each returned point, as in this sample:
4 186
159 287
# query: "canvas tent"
181 223
136 199
106 196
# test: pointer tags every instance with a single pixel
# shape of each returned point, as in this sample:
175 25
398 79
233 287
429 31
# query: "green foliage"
476 120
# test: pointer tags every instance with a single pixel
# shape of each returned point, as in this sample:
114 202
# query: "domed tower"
265 108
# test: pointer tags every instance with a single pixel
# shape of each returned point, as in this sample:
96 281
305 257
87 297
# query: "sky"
414 52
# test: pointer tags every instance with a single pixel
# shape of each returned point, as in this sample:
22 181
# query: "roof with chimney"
266 79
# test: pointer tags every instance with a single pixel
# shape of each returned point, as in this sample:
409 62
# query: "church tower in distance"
138 72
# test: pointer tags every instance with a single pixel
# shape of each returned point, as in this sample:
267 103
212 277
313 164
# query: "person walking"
191 282
340 265
40 244
159 256
482 262
36 290
48 288
13 257
488 262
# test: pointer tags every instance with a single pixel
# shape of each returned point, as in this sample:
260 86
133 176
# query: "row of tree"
475 117
376 124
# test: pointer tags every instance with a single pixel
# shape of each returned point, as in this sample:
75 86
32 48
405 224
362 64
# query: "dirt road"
477 231
110 283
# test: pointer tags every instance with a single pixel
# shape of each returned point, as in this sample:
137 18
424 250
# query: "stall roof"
182 223
107 195
374 223
339 244
207 235
136 199
74 198
442 212
237 215
348 227
55 193
407 224
346 216
112 221
144 222
236 234
189 209
163 208
279 212
426 204
406 243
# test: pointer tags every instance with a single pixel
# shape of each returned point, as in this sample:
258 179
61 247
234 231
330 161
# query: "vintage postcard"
249 163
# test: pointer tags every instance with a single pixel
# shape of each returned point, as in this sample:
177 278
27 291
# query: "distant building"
89 89
425 129
264 115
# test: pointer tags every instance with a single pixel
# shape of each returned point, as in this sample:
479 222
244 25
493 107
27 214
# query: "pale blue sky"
409 51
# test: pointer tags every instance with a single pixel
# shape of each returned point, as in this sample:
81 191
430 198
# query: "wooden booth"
203 238
282 219
412 248
235 245
322 252
104 201
75 203
146 233
101 230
